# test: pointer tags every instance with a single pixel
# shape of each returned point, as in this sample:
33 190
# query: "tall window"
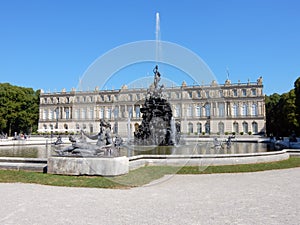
207 128
45 114
207 109
198 110
221 109
245 109
199 128
245 127
253 92
235 110
109 113
77 115
254 109
221 127
190 128
177 111
83 113
190 110
137 111
244 92
51 114
235 127
67 113
91 113
235 93
130 111
254 127
101 113
116 112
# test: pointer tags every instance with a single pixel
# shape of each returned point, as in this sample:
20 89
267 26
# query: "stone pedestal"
88 166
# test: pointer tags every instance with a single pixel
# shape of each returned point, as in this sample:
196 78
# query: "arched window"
190 128
254 127
236 127
207 128
245 127
254 109
221 127
199 128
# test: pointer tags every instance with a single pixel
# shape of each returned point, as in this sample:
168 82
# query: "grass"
136 177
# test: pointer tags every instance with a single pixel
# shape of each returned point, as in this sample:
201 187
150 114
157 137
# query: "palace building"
210 109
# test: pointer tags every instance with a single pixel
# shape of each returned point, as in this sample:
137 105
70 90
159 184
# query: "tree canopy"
283 112
19 109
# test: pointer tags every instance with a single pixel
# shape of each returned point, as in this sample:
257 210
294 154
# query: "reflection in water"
37 151
201 148
42 151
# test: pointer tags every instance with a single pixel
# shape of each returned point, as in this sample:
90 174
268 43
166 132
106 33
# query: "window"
221 95
221 127
236 127
190 110
253 92
91 113
45 114
244 92
207 94
254 109
177 111
137 111
190 94
198 110
109 113
254 127
235 110
199 94
130 111
67 113
199 128
207 128
83 114
116 112
77 116
190 128
207 109
245 109
221 109
234 92
101 113
245 127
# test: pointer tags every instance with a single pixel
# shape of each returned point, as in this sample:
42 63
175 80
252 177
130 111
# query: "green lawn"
136 177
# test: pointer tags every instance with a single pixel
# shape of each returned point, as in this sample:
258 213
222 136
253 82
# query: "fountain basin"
206 160
88 166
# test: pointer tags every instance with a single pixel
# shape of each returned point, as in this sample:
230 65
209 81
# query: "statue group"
158 126
105 145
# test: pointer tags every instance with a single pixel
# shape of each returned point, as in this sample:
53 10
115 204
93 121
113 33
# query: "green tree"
19 109
297 101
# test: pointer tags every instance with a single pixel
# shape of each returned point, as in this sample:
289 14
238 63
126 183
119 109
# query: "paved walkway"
270 197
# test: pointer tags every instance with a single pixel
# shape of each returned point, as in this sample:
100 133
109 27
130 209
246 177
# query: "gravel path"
270 197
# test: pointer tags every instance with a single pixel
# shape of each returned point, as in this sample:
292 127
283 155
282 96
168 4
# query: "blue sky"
49 44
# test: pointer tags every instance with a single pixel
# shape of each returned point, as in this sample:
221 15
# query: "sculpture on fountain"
104 146
156 127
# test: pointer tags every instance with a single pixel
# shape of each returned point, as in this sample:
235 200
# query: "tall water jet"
157 37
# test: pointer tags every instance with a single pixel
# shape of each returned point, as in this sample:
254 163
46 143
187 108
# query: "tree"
19 109
297 101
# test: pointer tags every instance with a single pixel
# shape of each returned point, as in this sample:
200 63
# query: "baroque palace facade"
210 109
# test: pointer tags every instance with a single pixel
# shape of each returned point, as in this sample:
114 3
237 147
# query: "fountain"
158 126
